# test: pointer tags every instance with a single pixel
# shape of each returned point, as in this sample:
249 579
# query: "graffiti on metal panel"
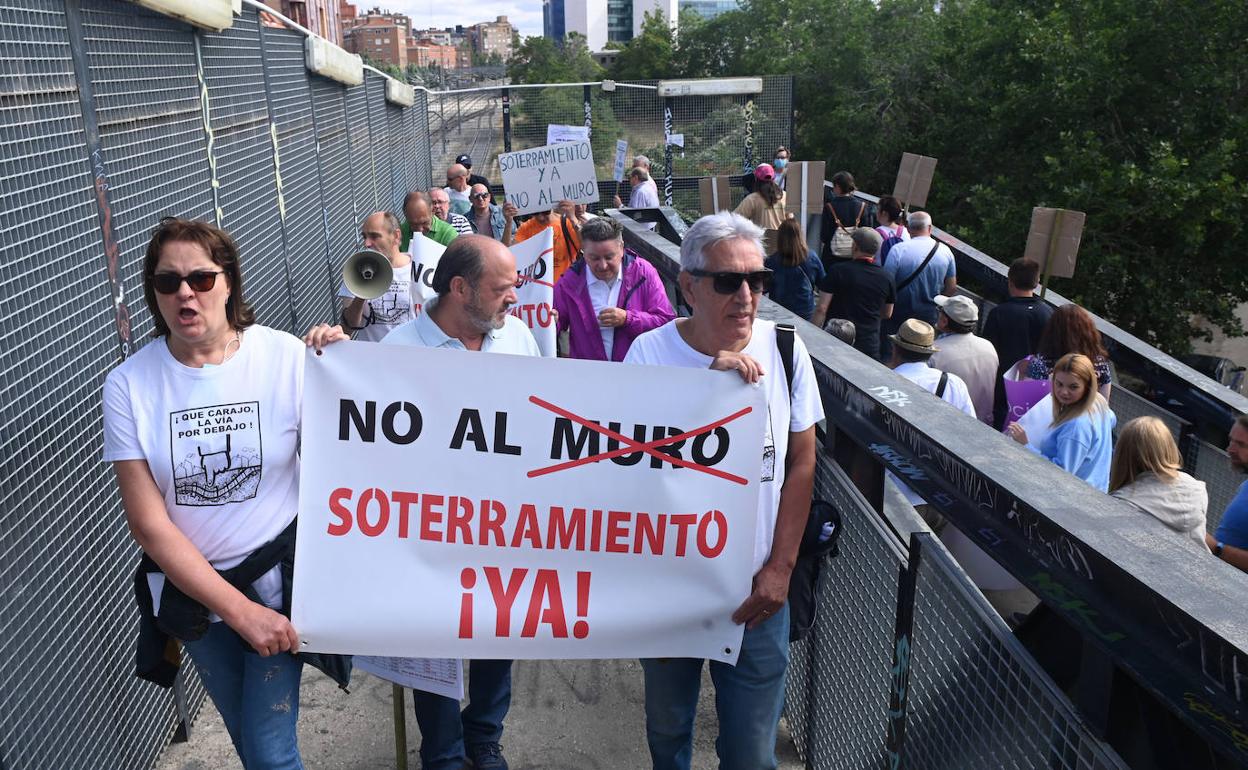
897 462
1063 551
1219 663
890 396
1221 722
1061 598
900 682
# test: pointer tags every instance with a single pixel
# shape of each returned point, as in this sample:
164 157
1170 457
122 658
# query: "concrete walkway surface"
565 715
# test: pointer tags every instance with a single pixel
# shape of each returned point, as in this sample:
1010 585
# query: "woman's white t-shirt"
221 441
665 347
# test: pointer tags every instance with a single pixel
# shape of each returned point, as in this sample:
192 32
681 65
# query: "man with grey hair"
441 204
373 319
476 285
921 268
858 291
645 193
722 278
609 296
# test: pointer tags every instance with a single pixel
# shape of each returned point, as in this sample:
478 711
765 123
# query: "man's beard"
482 321
1238 466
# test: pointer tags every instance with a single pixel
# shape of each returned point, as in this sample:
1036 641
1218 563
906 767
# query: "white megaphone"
367 274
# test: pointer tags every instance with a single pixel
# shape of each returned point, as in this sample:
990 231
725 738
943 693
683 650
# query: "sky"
526 15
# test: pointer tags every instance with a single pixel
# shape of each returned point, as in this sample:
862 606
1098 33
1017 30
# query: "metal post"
903 645
99 175
400 727
667 149
588 93
506 120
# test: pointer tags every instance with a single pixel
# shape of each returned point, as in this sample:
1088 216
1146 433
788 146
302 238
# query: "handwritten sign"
537 179
479 505
621 159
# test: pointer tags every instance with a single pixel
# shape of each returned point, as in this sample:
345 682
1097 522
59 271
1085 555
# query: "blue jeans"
748 700
444 731
258 697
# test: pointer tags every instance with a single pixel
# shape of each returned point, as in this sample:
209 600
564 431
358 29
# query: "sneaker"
487 756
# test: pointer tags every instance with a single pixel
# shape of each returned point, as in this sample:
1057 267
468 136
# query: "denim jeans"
258 697
444 731
748 700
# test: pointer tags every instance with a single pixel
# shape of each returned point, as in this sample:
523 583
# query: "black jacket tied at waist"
158 652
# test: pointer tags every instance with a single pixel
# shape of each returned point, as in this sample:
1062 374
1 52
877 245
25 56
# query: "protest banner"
425 253
537 179
556 133
474 505
535 294
914 179
1053 241
621 158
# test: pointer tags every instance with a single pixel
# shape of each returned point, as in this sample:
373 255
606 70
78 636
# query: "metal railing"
1139 602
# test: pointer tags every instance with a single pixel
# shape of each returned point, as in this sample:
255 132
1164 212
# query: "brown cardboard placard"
716 194
914 179
1053 240
803 187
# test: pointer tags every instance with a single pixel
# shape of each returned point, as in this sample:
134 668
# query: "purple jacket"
641 294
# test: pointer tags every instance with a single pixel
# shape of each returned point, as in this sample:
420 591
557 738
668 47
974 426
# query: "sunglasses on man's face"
199 281
479 196
730 283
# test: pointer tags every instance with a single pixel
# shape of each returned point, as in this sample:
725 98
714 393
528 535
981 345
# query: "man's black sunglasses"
200 281
730 283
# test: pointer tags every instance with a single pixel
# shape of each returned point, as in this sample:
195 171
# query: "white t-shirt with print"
665 347
389 311
221 441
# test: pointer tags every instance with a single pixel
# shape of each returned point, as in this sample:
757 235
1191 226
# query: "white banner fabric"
535 296
478 505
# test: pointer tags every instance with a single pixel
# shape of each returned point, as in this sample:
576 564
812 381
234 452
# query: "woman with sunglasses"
202 428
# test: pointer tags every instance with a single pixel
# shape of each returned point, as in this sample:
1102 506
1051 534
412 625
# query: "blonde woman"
1146 473
1080 439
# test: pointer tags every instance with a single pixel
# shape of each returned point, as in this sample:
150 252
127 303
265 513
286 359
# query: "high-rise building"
492 38
709 9
603 21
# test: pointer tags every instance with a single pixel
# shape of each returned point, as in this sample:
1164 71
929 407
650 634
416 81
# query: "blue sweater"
1084 447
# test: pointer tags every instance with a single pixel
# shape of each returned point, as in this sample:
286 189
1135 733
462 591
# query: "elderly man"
371 320
418 210
921 268
476 285
440 202
643 186
965 354
607 299
457 188
486 217
722 277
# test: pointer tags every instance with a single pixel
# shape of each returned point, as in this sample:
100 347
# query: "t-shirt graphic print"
217 453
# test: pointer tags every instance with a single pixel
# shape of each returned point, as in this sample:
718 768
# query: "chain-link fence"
110 118
702 135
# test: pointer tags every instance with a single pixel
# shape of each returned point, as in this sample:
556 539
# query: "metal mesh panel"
342 218
67 618
399 167
363 172
243 149
837 688
1127 406
1221 480
418 133
976 698
301 183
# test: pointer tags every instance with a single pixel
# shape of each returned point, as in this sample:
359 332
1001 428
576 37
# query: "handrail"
1133 590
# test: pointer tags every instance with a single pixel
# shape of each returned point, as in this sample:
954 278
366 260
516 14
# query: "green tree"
650 55
539 60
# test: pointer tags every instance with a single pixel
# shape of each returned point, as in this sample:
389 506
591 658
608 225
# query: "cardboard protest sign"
476 505
535 295
537 179
621 159
556 133
1053 240
803 187
716 194
914 179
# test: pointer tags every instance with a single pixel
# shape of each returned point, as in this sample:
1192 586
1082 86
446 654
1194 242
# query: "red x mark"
632 445
521 278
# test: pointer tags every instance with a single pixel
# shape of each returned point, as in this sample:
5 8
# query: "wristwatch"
1217 549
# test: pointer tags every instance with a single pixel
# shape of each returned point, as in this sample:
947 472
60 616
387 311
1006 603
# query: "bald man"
457 188
418 210
371 320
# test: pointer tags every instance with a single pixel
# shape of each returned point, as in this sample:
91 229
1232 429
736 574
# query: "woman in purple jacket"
609 296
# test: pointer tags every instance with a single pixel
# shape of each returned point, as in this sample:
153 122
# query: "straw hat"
916 336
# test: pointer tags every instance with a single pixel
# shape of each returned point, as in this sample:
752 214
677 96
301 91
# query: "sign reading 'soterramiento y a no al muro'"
537 179
476 505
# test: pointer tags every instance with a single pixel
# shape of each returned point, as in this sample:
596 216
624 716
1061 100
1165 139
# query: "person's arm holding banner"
321 335
771 584
353 312
509 218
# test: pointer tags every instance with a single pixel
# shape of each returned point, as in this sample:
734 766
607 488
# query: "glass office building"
553 25
708 9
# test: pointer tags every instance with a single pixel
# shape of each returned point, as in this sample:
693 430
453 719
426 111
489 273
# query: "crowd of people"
218 562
